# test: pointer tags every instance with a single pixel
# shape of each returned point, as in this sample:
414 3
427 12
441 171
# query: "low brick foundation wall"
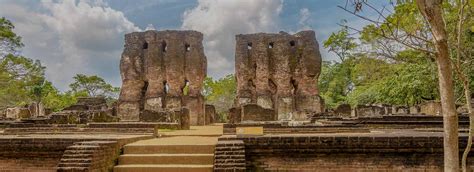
348 125
229 156
28 164
345 152
43 154
276 128
119 127
393 121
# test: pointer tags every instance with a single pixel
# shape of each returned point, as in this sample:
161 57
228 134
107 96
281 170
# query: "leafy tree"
9 41
93 86
220 93
341 43
335 82
18 77
379 81
461 39
420 25
22 80
56 100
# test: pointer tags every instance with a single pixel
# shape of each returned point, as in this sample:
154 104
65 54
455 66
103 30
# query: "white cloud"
150 27
221 20
304 21
70 37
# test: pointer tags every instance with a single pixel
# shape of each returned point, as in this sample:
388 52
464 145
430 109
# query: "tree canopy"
391 60
93 86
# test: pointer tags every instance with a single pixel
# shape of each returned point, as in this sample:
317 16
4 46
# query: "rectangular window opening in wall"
187 47
185 89
164 47
166 87
294 85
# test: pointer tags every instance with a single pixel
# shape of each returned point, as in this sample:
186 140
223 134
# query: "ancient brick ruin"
278 72
162 71
87 109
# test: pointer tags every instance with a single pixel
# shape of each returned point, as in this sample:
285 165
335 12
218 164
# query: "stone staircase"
89 156
175 154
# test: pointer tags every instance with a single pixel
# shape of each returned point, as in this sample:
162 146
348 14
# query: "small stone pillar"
184 119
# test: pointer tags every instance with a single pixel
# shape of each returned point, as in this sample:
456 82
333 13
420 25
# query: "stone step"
71 151
76 156
167 159
85 147
169 149
72 169
231 164
61 164
163 168
76 160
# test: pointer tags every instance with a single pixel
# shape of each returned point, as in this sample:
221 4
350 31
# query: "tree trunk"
433 13
465 83
467 94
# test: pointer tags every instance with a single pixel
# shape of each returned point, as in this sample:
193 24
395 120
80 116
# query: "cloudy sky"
86 36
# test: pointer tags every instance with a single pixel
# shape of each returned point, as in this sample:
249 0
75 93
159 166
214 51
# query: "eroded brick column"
156 68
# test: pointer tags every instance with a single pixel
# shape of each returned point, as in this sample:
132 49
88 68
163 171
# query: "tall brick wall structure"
162 71
279 71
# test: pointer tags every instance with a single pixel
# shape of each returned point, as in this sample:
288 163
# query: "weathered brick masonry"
345 152
162 71
43 154
90 156
91 128
229 156
276 73
278 128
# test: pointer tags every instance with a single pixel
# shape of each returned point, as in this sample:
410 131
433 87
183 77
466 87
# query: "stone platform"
177 150
378 149
387 143
179 153
282 128
40 152
70 147
204 148
104 128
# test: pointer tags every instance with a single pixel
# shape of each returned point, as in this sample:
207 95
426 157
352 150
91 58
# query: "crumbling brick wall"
44 154
341 152
280 72
161 71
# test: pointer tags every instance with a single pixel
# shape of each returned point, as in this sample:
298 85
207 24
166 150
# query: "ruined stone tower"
278 72
162 71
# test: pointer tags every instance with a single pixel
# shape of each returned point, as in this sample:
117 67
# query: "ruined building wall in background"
162 71
279 72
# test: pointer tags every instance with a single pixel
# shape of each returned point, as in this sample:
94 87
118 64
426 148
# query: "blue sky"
86 36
